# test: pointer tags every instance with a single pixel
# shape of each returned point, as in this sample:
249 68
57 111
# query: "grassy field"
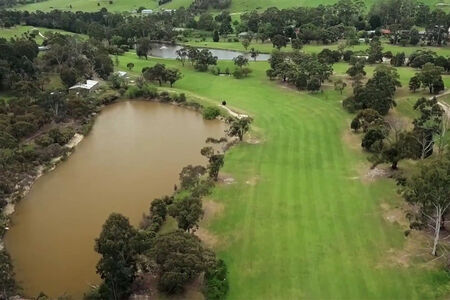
128 5
18 31
267 47
300 221
92 5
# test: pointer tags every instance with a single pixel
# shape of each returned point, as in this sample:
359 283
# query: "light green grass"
19 30
309 228
128 5
311 48
246 5
92 5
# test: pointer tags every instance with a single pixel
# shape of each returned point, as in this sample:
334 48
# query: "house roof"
121 73
87 86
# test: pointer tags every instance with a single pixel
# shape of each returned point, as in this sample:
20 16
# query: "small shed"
122 74
147 11
89 86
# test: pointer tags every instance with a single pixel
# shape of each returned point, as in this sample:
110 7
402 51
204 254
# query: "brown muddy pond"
133 154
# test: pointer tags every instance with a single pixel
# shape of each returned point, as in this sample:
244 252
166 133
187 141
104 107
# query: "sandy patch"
226 179
208 238
76 139
211 209
253 140
376 173
416 250
394 215
253 181
352 140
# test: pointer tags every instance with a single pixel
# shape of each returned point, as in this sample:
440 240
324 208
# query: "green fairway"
19 31
300 221
311 48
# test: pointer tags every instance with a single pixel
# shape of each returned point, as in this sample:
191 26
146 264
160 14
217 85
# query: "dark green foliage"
398 60
216 281
181 259
414 83
187 211
146 91
8 286
216 37
378 93
238 127
143 46
117 266
372 139
68 76
375 51
211 112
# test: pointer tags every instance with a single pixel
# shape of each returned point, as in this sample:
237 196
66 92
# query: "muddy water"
133 154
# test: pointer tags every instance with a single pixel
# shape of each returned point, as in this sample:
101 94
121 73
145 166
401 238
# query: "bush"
48 153
44 140
216 282
241 73
146 91
108 97
61 136
165 97
180 98
211 112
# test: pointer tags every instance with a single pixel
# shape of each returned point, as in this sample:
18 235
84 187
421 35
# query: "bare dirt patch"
208 238
376 173
395 215
226 179
211 209
352 140
415 250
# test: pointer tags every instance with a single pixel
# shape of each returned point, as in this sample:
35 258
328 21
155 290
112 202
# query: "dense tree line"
347 19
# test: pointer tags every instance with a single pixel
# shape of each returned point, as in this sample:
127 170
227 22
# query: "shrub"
211 112
180 98
108 97
48 153
61 136
44 140
216 282
165 96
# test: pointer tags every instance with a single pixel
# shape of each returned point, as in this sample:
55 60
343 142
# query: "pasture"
19 31
302 219
128 5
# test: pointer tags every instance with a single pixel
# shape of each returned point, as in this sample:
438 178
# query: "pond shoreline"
30 178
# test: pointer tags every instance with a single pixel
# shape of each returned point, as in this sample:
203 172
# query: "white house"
89 86
147 11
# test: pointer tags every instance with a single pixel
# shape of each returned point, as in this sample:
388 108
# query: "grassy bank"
301 220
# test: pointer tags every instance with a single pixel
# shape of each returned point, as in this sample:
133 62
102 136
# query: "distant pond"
169 51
